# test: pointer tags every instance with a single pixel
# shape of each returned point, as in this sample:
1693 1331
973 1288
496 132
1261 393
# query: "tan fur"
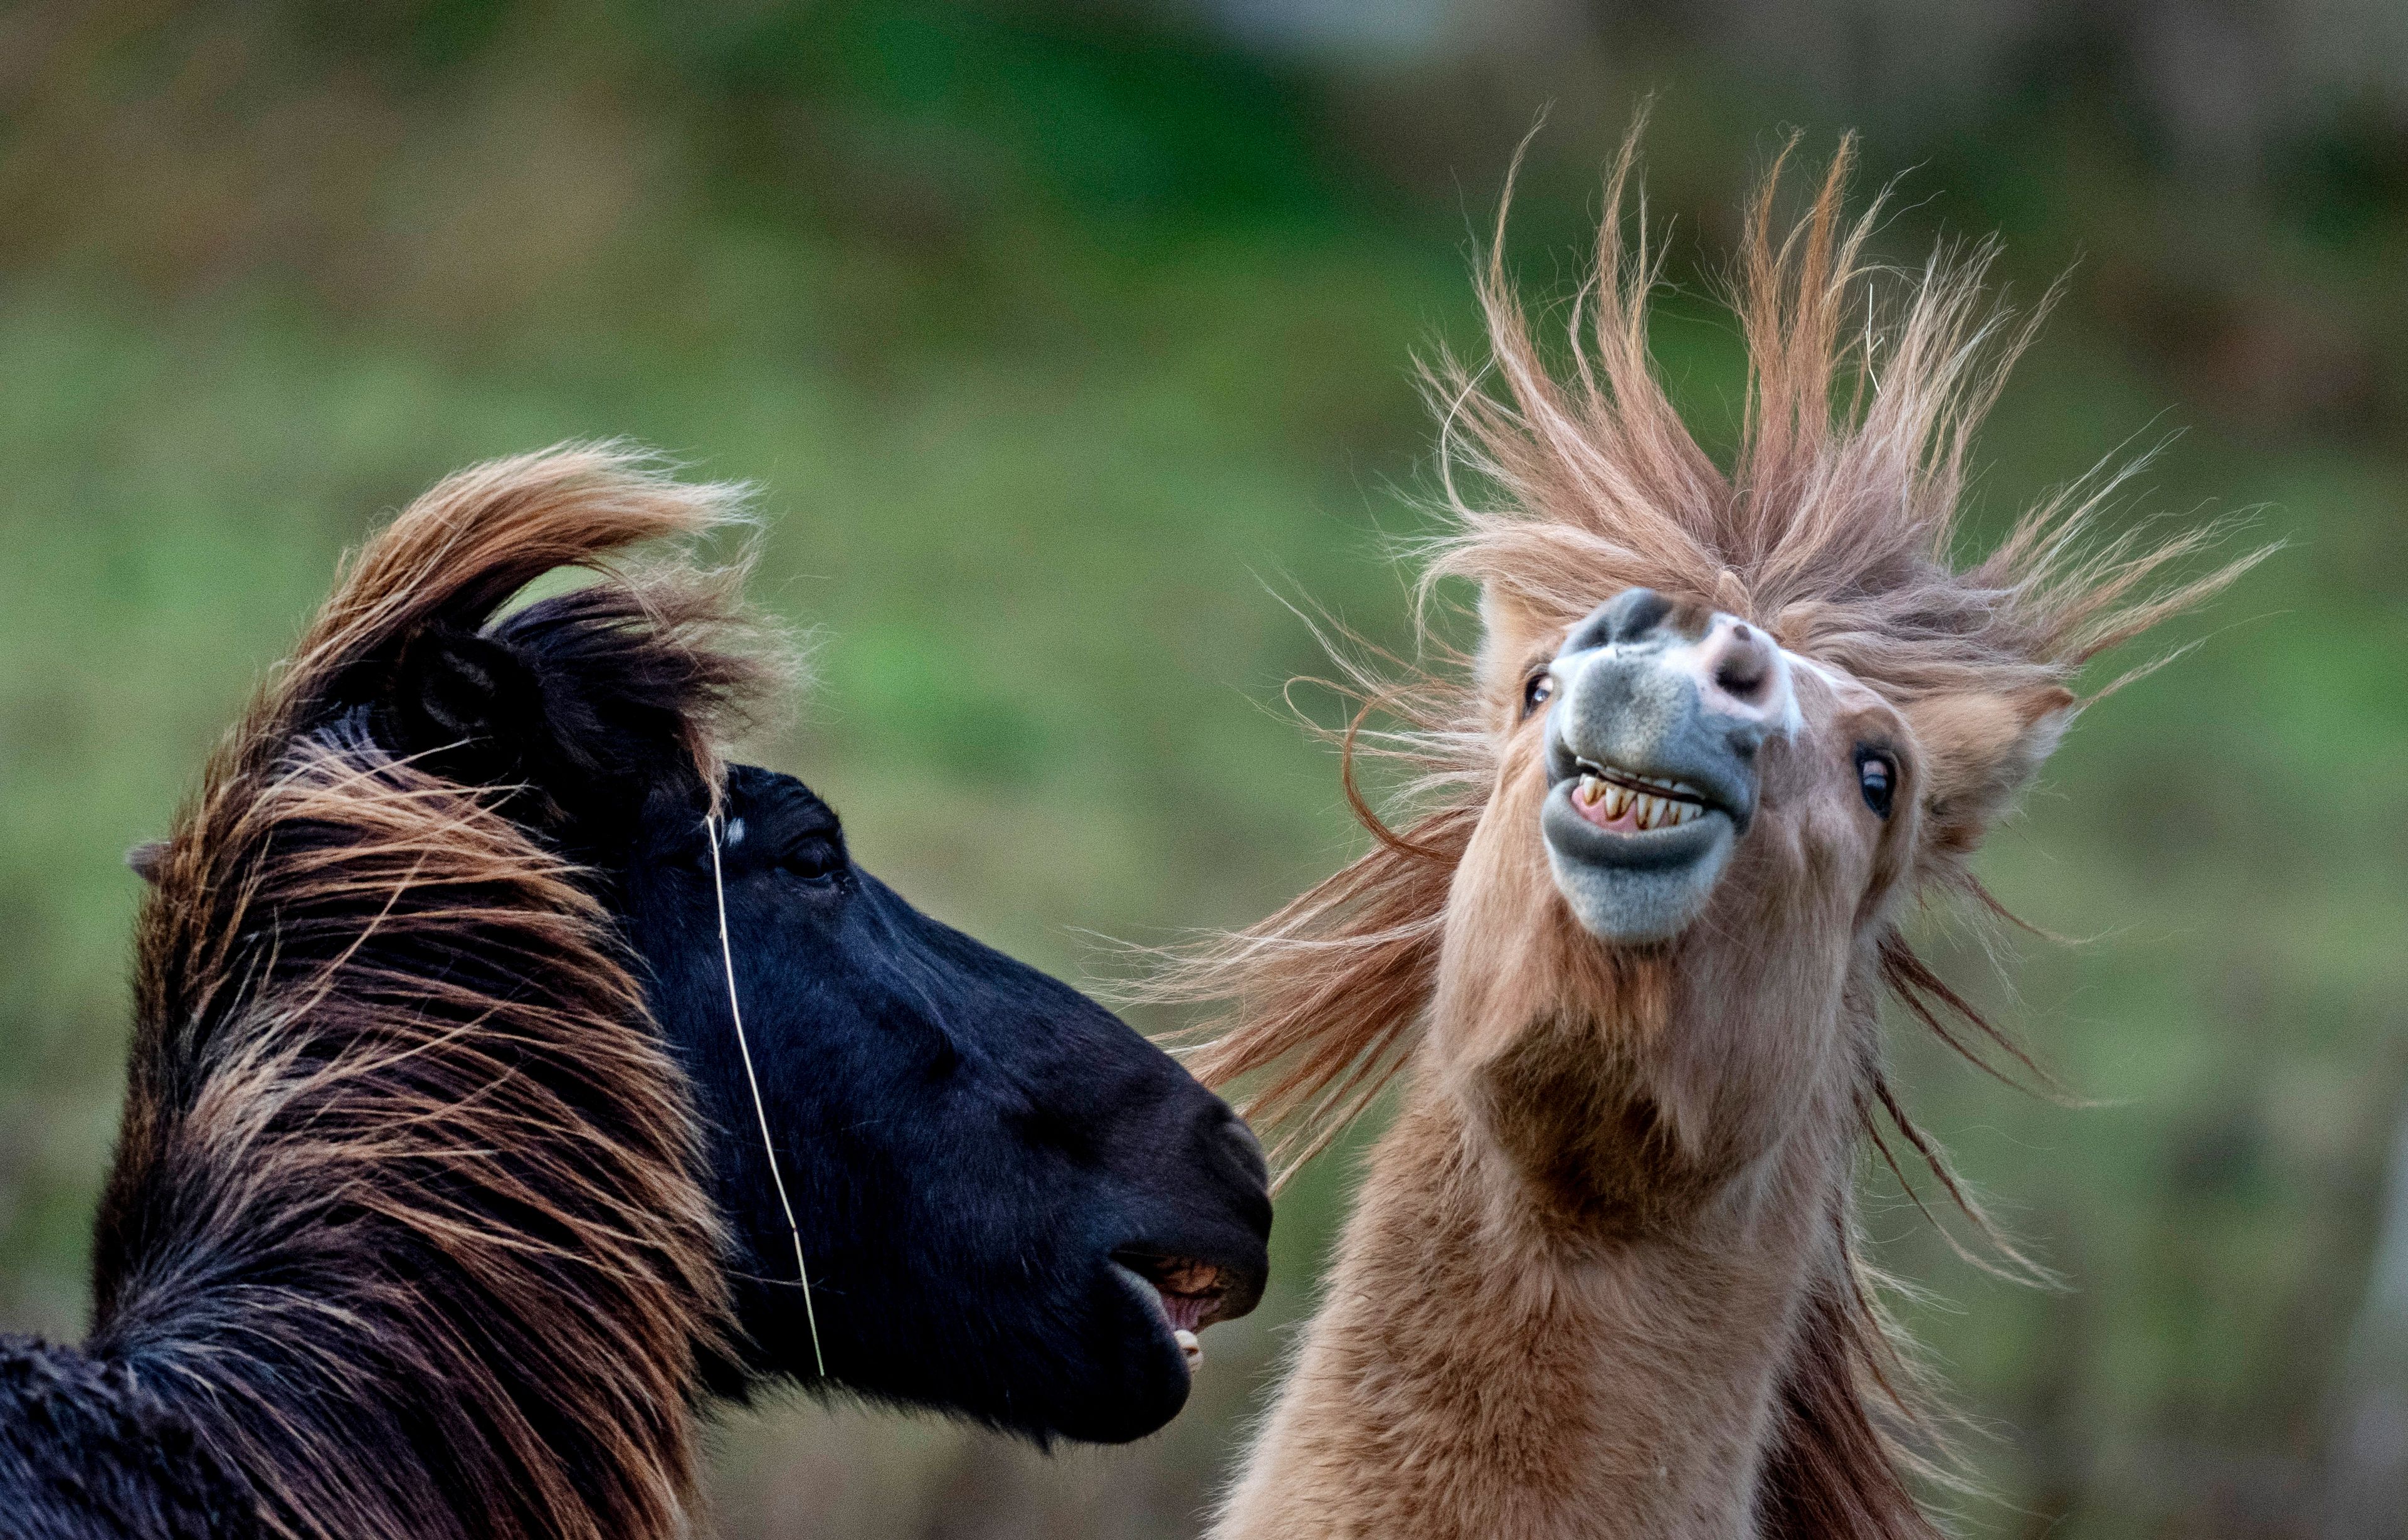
1602 1278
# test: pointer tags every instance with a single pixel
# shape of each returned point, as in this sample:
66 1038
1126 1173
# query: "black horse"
446 1186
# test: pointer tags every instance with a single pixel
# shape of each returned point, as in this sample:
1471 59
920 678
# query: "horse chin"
1632 888
1138 1377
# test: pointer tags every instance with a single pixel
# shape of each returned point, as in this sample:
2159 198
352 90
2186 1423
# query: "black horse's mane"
406 1233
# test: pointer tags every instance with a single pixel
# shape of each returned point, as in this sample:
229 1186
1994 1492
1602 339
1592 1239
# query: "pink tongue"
1185 1311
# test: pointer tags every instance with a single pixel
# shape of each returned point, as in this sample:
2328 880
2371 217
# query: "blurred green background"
1064 338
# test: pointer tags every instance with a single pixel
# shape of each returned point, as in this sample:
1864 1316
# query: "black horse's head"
1009 1205
1008 1202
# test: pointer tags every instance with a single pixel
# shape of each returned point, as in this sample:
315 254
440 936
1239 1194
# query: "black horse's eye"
1535 693
1877 778
813 858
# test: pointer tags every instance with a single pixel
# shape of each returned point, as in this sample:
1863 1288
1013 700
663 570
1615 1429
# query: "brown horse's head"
1723 725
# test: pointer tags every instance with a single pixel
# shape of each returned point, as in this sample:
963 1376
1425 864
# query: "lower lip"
1573 836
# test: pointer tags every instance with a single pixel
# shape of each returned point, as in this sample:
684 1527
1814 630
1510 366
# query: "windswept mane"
407 1224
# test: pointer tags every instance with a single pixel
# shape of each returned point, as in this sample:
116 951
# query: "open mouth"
1634 854
1190 1295
1624 802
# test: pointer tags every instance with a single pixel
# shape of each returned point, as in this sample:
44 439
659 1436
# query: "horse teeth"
1669 804
1189 1346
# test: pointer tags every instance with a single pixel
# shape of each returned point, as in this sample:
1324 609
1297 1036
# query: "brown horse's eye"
1877 778
1537 693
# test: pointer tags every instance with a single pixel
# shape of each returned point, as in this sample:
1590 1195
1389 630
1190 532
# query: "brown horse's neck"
1557 1312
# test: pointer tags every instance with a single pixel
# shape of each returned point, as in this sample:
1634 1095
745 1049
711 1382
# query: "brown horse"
1724 731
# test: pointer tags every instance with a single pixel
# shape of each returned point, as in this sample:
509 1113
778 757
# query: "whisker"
760 1109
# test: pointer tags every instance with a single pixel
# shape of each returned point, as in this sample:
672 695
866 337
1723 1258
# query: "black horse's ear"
556 707
457 687
469 707
145 859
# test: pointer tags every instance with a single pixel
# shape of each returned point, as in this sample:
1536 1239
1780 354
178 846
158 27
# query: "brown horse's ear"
1978 750
144 859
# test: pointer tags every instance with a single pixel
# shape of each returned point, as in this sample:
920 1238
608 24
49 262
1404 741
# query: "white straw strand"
736 1012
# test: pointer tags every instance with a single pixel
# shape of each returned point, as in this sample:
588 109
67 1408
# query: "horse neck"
1560 1309
379 1027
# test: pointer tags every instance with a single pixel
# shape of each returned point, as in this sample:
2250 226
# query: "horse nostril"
1744 668
1246 1149
1740 676
1637 612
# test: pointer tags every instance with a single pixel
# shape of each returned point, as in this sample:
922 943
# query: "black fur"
133 1468
967 1142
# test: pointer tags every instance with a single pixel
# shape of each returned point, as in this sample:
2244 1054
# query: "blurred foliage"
1064 341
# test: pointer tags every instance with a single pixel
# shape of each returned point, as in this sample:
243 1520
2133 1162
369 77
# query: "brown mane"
406 1221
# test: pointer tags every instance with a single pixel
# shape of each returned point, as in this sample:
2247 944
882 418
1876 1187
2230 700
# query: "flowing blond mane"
1569 475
